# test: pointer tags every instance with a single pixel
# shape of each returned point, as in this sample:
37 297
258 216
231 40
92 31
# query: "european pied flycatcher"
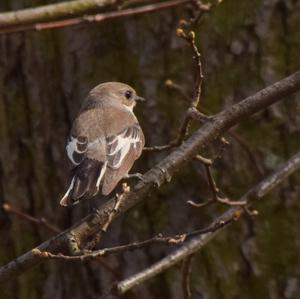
105 140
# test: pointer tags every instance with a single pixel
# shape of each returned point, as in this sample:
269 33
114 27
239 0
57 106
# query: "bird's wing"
87 138
76 148
102 147
86 150
122 150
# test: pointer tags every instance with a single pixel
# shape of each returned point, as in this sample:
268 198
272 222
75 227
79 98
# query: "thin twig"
211 181
172 85
244 144
203 160
116 274
7 207
214 226
192 112
119 198
185 277
215 192
199 72
200 9
190 38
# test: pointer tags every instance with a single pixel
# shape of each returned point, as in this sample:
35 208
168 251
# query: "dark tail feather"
84 182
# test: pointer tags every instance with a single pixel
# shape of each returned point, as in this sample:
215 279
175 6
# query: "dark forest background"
245 46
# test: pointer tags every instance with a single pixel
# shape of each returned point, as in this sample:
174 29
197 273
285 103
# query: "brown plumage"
105 140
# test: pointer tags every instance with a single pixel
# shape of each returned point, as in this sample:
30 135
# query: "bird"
104 141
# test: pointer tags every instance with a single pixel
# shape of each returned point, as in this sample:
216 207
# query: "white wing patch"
75 149
99 180
63 201
79 147
120 145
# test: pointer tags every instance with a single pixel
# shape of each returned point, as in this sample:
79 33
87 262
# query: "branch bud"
192 35
237 215
36 251
168 82
180 33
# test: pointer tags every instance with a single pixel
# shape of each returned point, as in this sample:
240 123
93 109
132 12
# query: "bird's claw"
137 175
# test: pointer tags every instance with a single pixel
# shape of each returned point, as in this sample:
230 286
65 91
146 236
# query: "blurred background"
44 76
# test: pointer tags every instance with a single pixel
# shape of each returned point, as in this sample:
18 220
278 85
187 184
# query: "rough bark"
45 75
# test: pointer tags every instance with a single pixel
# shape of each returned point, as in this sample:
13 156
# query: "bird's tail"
85 182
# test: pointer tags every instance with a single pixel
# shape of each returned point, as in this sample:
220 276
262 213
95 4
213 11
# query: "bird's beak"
137 98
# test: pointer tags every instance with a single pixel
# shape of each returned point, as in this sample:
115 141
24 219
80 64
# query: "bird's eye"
128 94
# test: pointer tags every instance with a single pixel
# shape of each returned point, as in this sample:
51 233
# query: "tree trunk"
44 76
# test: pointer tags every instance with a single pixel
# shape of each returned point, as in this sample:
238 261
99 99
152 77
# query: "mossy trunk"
44 75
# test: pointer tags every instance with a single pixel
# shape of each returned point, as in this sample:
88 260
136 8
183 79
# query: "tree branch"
72 239
39 19
40 221
52 11
195 244
185 278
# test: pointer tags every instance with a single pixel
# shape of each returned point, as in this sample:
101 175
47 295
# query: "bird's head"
118 93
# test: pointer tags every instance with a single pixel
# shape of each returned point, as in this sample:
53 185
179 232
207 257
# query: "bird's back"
105 141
